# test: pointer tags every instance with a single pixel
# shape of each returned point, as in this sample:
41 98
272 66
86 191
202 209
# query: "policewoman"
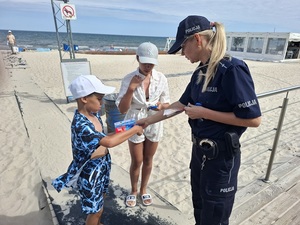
221 103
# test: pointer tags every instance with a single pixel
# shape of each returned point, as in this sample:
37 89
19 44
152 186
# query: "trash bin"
112 112
102 110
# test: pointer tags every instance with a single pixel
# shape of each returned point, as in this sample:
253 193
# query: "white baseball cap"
85 85
9 31
147 53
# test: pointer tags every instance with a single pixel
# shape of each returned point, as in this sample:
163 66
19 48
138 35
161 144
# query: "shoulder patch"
224 64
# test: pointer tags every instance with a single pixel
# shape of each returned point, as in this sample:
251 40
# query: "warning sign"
72 68
68 11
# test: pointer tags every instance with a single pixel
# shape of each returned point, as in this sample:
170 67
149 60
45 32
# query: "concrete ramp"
67 209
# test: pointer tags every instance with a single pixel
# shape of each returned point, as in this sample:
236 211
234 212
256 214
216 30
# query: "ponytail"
217 45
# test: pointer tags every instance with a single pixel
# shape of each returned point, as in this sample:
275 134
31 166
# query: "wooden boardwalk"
278 200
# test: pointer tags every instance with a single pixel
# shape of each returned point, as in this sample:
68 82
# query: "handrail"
280 122
269 93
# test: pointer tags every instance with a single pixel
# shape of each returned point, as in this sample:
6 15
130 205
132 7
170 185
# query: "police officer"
221 103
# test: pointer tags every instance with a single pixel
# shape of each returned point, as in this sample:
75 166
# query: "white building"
263 46
260 46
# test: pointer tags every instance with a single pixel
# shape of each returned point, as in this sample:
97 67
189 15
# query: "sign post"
70 68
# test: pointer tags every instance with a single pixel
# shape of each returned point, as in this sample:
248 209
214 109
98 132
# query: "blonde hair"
216 44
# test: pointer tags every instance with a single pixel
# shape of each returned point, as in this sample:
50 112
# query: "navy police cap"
187 27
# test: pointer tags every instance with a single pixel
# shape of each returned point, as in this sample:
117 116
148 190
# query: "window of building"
255 44
237 44
275 46
227 42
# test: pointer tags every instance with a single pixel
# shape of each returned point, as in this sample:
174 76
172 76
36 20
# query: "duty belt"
206 142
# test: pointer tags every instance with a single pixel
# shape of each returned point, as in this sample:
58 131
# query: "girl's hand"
155 107
135 82
159 106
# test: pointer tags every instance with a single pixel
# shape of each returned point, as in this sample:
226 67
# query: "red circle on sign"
68 11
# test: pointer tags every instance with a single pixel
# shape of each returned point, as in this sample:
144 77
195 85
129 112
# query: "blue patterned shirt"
85 140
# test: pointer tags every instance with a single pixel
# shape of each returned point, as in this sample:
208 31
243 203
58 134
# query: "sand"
31 151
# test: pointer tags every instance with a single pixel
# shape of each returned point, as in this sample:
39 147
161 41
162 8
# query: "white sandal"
130 199
145 198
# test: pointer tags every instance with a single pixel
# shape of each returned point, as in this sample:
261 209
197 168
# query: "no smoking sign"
68 11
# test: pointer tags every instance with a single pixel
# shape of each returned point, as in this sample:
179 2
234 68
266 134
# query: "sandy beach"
32 150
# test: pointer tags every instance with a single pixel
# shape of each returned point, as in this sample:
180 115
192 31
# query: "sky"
158 18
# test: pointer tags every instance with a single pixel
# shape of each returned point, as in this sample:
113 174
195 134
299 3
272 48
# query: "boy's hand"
140 130
142 122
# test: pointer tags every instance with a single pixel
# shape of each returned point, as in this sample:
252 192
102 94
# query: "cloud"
236 15
268 12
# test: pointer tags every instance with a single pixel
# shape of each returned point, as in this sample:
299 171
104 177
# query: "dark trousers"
213 186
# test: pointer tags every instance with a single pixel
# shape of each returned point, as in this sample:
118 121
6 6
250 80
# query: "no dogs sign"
68 11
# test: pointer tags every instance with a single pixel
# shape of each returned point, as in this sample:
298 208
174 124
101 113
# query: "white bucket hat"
85 85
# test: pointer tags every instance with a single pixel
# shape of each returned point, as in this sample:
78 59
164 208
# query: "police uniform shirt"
230 90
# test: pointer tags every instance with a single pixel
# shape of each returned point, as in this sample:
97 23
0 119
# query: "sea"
33 40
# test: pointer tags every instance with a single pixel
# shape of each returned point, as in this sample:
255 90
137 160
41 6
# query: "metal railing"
280 122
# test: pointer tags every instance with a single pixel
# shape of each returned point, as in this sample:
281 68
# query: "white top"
158 92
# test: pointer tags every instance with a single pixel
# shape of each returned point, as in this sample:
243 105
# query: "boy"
90 169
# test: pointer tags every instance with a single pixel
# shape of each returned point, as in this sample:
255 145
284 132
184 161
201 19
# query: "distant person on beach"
221 103
89 172
142 93
11 41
